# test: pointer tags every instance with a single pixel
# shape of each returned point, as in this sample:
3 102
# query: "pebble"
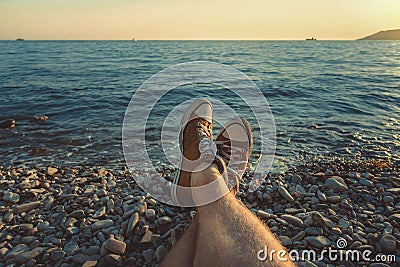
115 246
11 197
113 259
318 241
161 252
293 220
78 214
132 223
99 225
26 207
89 264
24 257
20 248
71 248
388 243
99 213
148 255
336 183
283 192
74 212
365 182
57 255
263 214
150 214
51 171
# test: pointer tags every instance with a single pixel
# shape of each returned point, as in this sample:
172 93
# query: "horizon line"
177 39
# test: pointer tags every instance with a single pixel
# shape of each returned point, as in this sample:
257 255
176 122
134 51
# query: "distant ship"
20 39
311 39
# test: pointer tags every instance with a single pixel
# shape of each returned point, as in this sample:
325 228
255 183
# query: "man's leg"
183 252
229 234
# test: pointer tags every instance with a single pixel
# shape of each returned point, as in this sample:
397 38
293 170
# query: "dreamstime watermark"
333 255
174 86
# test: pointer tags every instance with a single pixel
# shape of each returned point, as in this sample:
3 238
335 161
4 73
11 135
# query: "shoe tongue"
236 133
203 112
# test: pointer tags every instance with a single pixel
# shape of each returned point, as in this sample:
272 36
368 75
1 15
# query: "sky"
196 19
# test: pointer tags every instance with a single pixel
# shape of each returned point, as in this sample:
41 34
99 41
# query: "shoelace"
207 146
236 157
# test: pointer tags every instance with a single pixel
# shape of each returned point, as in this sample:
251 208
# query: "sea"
329 99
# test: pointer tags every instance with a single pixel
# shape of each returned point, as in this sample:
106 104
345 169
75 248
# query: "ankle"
205 176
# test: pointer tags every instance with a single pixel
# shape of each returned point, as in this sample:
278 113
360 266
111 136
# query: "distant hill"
384 35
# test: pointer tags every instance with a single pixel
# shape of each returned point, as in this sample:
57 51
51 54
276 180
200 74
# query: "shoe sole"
185 119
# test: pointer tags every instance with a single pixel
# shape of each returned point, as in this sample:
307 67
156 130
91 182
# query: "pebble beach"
89 216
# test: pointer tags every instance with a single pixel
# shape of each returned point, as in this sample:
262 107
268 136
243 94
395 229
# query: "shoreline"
70 216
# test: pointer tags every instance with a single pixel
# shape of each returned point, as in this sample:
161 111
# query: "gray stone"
42 226
72 230
115 246
51 170
343 223
102 224
10 197
283 192
100 212
388 199
293 220
20 248
26 207
113 259
57 255
89 264
101 193
150 214
148 255
164 220
161 252
146 237
321 220
388 243
318 241
78 214
365 182
321 196
285 240
81 258
71 248
141 207
336 183
93 250
299 236
24 257
263 214
132 223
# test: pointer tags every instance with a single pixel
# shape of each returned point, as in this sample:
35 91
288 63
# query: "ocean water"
330 99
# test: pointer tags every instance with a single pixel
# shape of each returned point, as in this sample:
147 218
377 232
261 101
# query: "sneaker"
234 144
197 148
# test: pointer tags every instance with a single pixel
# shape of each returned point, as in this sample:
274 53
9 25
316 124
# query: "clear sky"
196 19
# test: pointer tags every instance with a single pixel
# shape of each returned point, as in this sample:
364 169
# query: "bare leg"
229 234
183 252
